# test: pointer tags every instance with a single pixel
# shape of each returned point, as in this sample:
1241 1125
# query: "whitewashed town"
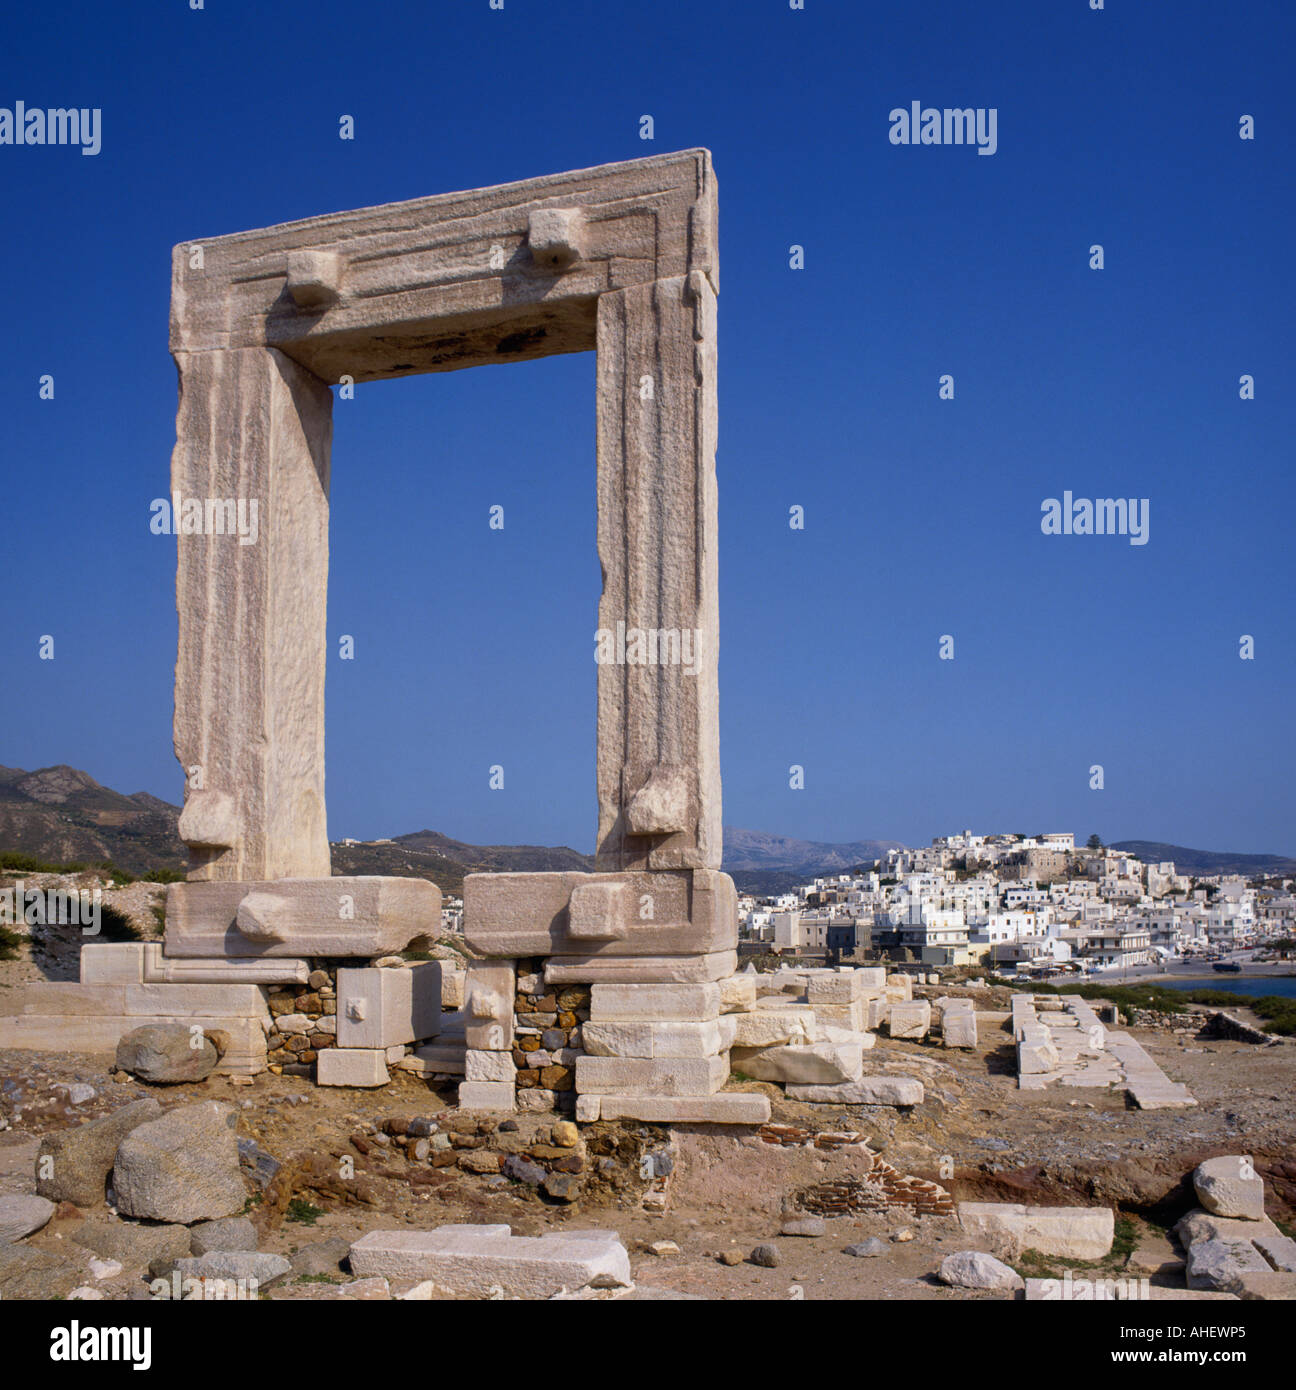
1021 906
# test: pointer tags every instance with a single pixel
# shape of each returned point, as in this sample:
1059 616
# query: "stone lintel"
341 916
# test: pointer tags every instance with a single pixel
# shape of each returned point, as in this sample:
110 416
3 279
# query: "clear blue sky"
1117 127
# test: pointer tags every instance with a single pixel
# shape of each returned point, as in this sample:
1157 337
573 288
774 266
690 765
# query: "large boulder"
134 1246
80 1159
974 1269
1229 1186
166 1053
20 1216
183 1167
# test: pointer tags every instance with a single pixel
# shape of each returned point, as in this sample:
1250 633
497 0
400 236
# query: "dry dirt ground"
977 1134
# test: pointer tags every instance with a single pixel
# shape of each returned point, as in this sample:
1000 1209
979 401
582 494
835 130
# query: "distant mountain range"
61 815
1208 861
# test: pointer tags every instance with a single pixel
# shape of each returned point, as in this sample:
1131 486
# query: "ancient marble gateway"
612 990
620 259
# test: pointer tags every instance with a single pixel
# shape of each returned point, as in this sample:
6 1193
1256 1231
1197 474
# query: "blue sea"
1255 985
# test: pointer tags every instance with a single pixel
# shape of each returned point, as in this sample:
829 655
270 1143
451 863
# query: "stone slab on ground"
1105 1289
1212 1264
868 1090
1147 1085
1074 1233
730 1108
352 1066
489 1261
487 1095
826 1063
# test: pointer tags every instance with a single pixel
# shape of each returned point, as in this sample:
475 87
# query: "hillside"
61 815
1206 861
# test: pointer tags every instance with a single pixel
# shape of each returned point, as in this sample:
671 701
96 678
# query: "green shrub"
299 1209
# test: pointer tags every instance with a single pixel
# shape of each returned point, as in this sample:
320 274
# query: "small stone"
476 1161
422 1127
767 1256
974 1269
867 1249
75 1092
902 1235
804 1226
731 1257
522 1170
318 979
227 1233
565 1134
663 1247
321 1257
563 1187
105 1269
508 1127
21 1216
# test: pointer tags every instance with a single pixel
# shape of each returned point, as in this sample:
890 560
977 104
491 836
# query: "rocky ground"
727 1192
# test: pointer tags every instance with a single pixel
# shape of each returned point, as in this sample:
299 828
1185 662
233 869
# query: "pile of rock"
305 1023
1230 1244
176 1184
547 1038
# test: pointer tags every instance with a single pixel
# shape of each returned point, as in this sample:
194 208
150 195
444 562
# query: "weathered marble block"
684 912
360 916
383 1007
